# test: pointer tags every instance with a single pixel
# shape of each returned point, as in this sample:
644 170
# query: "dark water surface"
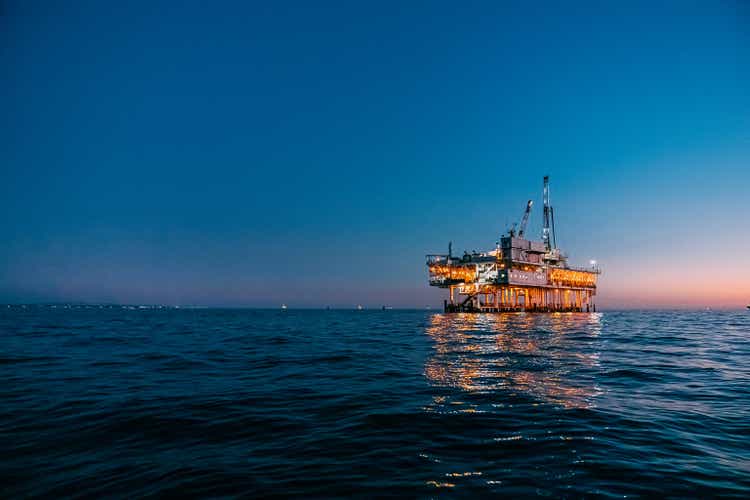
373 403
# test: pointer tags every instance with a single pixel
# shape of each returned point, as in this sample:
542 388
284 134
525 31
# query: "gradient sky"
311 153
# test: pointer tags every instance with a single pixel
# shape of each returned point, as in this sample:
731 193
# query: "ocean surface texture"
372 403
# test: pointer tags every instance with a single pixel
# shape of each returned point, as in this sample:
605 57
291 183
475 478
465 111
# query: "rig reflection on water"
550 359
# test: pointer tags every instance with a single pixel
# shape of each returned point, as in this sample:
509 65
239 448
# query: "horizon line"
103 305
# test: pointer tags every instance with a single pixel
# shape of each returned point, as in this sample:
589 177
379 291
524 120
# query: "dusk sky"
311 153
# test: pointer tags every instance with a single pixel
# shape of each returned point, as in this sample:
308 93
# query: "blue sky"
252 154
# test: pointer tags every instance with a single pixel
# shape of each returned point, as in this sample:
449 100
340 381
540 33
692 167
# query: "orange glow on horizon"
714 285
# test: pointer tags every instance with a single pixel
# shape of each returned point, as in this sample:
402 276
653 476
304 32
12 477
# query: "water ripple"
373 403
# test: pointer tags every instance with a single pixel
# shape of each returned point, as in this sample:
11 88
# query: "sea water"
212 402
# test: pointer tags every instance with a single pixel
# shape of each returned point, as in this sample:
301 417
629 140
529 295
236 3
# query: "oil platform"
517 275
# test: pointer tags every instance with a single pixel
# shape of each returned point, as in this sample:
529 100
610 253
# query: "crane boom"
525 220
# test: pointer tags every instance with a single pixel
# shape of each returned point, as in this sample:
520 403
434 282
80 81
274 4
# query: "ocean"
305 403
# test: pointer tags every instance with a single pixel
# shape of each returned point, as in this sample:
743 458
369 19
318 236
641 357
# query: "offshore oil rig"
517 275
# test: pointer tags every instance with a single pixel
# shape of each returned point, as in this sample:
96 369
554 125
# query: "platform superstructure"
517 275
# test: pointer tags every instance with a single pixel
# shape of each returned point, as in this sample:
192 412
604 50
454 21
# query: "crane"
525 220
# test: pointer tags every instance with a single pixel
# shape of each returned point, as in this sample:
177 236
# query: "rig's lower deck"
455 308
515 299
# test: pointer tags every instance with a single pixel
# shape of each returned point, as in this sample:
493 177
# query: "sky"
312 153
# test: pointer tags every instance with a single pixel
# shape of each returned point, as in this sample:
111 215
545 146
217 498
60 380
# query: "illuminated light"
457 273
568 277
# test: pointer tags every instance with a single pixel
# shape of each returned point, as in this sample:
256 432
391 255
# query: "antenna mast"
547 211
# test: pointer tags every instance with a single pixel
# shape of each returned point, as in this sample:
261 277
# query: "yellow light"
459 273
568 277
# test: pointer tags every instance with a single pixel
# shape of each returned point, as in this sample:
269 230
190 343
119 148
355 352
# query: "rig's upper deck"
517 262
